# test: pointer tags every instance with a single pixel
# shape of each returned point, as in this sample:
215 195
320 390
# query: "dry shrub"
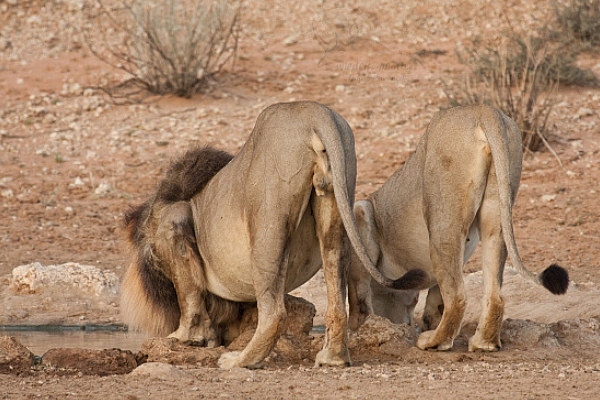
518 77
521 75
167 47
578 20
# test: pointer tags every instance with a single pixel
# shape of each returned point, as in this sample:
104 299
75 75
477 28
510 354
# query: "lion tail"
148 297
554 278
338 140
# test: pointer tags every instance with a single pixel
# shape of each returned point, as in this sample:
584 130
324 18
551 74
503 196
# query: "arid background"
72 161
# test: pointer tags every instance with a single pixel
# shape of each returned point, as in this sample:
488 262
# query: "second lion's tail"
554 278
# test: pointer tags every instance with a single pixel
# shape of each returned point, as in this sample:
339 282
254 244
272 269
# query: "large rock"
172 351
578 333
159 371
381 335
35 277
295 342
14 357
523 334
300 314
66 294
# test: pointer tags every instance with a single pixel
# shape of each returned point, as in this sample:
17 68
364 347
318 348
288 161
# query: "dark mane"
188 174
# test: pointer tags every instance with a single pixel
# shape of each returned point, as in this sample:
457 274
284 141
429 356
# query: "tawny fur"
251 228
458 186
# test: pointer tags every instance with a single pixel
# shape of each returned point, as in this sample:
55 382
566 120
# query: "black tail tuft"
413 279
555 278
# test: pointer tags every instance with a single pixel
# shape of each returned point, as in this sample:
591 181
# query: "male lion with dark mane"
459 186
221 232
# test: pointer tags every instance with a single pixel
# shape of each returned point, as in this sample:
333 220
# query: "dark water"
39 339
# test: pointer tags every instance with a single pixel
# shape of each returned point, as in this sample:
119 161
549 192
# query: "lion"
456 189
223 232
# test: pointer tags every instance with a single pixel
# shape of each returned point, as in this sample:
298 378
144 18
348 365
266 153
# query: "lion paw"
480 345
196 336
178 335
198 341
230 360
233 359
326 358
428 341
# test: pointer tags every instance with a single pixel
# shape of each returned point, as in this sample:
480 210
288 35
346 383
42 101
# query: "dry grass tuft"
167 47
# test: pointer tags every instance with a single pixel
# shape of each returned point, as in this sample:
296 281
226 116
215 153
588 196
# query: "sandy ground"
71 162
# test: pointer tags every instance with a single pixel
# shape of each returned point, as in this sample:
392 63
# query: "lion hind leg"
447 243
175 244
494 254
335 252
268 273
442 338
487 335
271 323
453 191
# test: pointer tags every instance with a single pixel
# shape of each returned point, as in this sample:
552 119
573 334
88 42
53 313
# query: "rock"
300 314
5 44
35 277
14 357
584 112
519 333
91 362
548 197
291 40
292 348
527 334
78 182
103 189
380 334
577 333
294 343
238 375
7 193
70 293
159 370
172 351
